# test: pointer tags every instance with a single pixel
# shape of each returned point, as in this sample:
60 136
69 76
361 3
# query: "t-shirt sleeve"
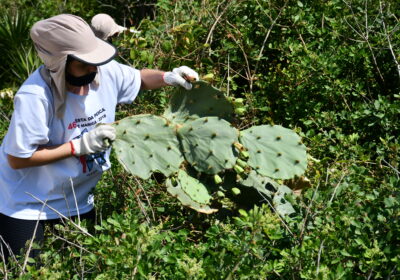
29 125
127 80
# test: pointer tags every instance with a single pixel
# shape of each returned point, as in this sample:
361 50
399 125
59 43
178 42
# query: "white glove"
93 141
181 76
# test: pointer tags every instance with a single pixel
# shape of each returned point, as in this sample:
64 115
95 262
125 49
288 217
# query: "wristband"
72 148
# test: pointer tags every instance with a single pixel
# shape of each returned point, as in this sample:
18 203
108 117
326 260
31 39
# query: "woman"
104 27
54 152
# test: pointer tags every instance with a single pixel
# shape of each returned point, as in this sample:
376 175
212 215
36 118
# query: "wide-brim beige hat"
104 26
66 34
101 54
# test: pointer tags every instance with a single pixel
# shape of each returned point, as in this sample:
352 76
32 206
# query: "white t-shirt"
64 185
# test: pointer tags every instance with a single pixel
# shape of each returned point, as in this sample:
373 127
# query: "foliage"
328 70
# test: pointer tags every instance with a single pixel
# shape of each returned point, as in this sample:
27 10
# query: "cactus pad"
274 151
146 144
272 190
208 144
202 100
190 192
281 205
259 182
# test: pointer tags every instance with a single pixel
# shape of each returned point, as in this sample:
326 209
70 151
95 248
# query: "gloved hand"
181 76
93 141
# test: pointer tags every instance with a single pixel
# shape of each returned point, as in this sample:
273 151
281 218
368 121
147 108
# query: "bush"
330 71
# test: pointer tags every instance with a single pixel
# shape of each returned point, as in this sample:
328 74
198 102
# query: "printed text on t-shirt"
88 121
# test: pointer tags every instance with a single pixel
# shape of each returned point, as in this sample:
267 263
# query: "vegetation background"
330 70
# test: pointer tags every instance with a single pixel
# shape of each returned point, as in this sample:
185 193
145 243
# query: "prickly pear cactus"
195 139
202 100
208 144
274 151
147 144
190 192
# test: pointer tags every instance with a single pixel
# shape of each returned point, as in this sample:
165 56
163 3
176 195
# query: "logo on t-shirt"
89 161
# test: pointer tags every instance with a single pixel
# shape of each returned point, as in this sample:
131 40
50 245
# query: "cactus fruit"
220 194
202 100
190 192
208 77
146 144
235 191
274 151
238 169
240 111
217 179
241 163
244 154
207 142
238 102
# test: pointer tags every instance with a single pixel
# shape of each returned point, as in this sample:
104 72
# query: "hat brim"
102 54
121 29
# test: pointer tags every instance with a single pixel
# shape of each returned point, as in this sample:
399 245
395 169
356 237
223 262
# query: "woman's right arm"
42 156
90 143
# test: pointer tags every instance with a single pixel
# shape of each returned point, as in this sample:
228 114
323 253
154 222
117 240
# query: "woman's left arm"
181 76
152 79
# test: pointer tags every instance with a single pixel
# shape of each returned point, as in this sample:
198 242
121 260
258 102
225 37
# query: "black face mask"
80 81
